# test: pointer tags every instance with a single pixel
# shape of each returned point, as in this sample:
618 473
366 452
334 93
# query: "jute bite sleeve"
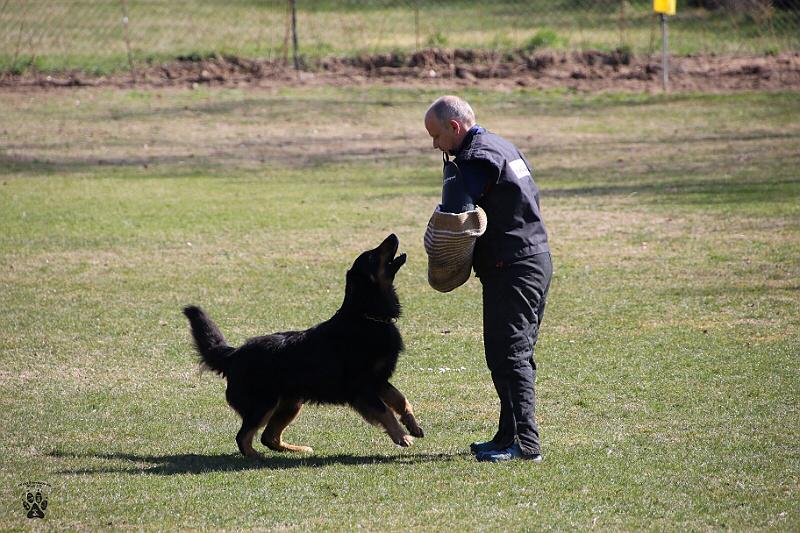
449 242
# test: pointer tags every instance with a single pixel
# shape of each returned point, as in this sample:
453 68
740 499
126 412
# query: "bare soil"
589 71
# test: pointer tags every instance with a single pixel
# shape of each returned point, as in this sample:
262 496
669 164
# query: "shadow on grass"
288 152
190 463
702 191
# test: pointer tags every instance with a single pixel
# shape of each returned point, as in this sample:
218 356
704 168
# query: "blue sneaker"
509 454
481 447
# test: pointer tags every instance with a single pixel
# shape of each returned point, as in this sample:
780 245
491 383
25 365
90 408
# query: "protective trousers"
514 297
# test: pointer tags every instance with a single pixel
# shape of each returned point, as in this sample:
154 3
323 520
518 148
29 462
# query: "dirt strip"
588 71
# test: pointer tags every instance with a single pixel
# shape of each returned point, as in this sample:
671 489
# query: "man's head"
448 120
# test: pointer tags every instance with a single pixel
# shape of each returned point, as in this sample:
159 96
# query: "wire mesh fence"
108 35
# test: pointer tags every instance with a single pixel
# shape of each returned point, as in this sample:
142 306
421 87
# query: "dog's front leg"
395 399
376 412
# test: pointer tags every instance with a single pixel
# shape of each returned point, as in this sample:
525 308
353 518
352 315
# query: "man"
512 261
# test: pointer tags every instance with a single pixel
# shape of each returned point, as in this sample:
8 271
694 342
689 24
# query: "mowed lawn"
669 377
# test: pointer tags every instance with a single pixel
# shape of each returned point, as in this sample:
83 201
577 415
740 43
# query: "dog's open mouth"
394 263
397 262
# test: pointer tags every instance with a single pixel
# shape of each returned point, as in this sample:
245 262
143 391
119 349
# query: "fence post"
664 52
287 29
294 34
127 38
416 22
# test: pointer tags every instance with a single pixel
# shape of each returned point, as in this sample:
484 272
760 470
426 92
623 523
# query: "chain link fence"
100 36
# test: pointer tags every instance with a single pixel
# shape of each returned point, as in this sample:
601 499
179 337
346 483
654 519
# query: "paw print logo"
35 504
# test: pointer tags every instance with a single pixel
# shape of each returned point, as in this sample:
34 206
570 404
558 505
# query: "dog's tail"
211 345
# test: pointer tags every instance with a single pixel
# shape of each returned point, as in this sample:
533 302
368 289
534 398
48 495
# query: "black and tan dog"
347 359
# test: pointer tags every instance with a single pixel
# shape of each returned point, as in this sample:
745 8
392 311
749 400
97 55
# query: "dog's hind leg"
251 423
395 399
376 412
284 414
244 439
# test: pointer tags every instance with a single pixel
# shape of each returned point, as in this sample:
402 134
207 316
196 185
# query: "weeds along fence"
100 36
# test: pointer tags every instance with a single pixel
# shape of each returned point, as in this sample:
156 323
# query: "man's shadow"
190 463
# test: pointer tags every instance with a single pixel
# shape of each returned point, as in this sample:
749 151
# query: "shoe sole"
488 458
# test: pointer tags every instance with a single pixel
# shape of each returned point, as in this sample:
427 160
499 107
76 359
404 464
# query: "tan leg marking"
395 399
389 423
247 444
284 415
247 439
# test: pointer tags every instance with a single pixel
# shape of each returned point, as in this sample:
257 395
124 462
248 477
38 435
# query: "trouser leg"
523 398
506 427
513 304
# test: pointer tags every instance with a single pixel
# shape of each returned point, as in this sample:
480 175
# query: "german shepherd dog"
345 360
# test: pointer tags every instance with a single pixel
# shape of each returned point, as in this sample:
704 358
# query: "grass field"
669 382
53 36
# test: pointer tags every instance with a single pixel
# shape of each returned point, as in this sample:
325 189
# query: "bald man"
511 259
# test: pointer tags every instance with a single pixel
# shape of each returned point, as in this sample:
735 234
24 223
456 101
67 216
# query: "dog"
346 360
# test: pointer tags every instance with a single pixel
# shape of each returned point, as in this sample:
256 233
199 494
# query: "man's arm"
479 176
455 197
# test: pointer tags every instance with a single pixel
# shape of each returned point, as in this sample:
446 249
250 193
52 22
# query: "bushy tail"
214 351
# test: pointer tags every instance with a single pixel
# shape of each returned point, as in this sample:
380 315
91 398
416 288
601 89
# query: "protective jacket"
515 229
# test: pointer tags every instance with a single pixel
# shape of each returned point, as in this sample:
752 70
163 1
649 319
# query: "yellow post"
665 7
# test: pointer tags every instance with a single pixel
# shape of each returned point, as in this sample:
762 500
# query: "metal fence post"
416 22
664 53
294 34
623 25
127 36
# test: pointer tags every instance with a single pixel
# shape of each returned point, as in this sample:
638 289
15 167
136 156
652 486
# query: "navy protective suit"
512 260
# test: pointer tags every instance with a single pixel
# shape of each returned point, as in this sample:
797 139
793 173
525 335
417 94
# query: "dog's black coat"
347 359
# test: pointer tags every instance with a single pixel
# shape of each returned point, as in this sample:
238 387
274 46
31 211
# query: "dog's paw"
411 424
286 447
405 441
416 431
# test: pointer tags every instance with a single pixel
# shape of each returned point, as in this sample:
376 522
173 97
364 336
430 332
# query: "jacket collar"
474 130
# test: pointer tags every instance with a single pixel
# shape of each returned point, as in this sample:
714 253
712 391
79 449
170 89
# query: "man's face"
445 135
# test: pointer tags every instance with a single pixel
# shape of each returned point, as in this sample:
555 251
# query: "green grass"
54 36
668 370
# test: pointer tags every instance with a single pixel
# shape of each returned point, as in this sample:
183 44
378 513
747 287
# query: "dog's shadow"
190 463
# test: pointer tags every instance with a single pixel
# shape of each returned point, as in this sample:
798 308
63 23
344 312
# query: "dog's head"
370 281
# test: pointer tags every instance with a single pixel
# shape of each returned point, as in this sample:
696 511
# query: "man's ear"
456 125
